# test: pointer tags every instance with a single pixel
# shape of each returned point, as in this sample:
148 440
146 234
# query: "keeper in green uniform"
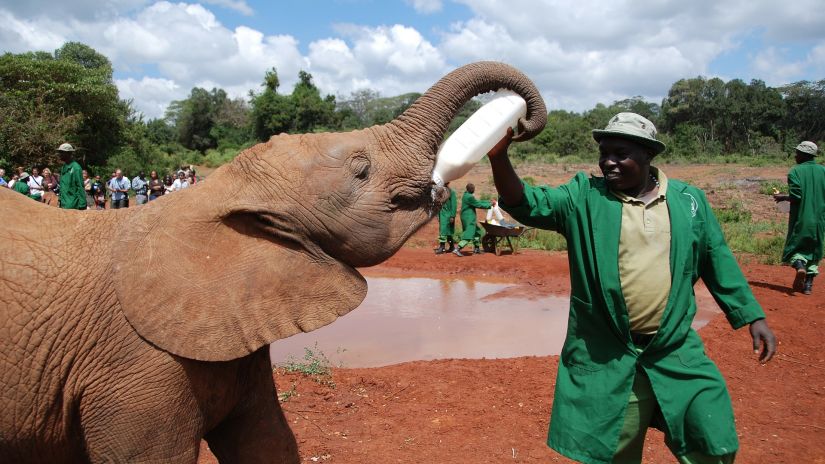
637 243
21 185
469 220
72 193
806 221
446 223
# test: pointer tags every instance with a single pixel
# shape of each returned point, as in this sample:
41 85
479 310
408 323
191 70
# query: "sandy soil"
476 410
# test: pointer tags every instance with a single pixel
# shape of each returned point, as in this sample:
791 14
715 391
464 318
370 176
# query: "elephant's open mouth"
275 228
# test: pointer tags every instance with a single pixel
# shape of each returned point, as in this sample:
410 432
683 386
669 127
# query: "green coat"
21 187
468 215
806 222
72 193
446 228
599 360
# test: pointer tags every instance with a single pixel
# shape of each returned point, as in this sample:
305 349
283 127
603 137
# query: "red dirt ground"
477 410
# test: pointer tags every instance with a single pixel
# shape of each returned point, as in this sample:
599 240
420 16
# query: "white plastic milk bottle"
478 135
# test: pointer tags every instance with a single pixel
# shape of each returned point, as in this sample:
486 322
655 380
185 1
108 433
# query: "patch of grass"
734 212
763 239
767 187
540 239
529 180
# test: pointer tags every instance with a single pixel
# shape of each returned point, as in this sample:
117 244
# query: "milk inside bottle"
478 135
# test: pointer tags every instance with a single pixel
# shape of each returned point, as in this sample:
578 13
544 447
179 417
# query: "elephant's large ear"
219 290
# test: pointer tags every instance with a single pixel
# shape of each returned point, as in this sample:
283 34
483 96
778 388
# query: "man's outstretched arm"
507 182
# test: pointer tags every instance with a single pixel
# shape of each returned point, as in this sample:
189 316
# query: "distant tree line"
69 95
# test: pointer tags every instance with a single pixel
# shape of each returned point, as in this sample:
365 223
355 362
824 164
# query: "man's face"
118 174
35 172
624 164
181 176
97 178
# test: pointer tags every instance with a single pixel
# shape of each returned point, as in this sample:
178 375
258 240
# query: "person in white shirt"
181 182
119 187
36 185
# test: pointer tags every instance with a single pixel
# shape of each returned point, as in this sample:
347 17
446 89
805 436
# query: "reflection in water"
421 319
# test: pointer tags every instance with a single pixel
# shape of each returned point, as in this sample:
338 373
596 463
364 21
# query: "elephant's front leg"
256 431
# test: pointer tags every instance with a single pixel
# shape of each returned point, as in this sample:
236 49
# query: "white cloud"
150 95
426 6
238 5
391 59
579 52
21 35
771 64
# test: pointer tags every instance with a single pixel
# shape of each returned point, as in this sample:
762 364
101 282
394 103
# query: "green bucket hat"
809 148
633 127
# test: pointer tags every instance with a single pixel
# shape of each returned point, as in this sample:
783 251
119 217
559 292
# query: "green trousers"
640 409
811 267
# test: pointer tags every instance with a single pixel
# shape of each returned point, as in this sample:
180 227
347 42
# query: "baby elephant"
136 347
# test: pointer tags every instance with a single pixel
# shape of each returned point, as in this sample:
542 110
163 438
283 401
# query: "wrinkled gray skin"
129 335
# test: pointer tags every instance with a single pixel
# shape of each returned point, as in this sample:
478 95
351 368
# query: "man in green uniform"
806 222
637 243
21 185
469 220
446 223
72 193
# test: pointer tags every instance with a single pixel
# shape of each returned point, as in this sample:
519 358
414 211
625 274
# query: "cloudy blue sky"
579 52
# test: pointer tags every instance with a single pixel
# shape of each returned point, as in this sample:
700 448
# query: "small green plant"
283 397
529 180
315 365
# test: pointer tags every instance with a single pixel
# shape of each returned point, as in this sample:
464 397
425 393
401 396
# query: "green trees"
47 99
713 116
301 112
209 119
69 95
805 105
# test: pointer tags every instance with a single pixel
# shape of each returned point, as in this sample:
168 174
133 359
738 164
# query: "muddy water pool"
407 319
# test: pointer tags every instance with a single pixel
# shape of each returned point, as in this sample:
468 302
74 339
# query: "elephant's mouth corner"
424 196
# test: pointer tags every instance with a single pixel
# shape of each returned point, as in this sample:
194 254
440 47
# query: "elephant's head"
267 246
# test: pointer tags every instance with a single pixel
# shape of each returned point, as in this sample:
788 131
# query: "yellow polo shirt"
644 256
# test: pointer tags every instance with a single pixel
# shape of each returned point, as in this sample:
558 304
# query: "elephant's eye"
360 166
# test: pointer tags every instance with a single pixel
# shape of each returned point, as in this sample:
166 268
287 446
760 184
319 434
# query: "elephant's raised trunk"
431 114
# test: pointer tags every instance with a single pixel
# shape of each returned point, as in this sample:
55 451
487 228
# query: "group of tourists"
637 243
75 189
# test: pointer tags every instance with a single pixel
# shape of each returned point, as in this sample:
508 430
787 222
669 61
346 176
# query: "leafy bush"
218 157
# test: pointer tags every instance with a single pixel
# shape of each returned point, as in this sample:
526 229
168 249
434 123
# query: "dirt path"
465 410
